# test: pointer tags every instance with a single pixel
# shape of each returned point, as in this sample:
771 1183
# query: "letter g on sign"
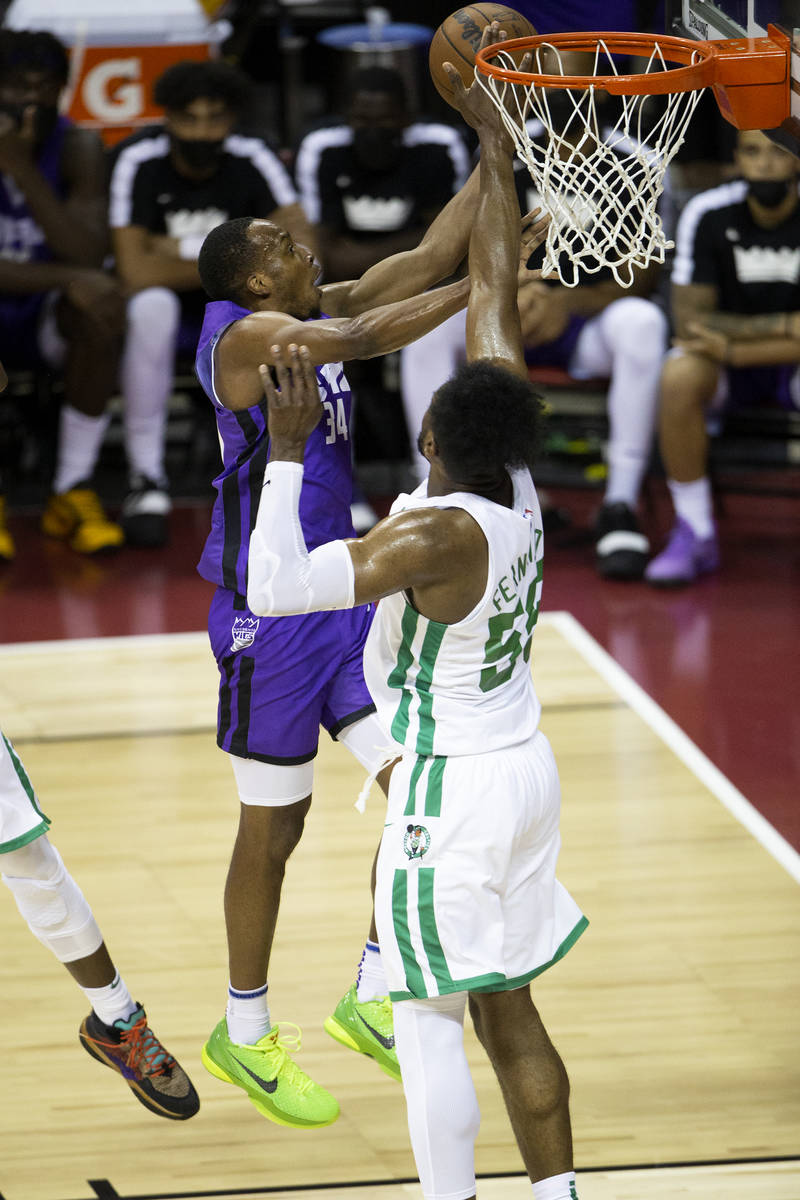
114 104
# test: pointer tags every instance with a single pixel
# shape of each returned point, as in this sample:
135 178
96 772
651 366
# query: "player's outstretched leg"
245 1049
132 1049
534 1084
279 1089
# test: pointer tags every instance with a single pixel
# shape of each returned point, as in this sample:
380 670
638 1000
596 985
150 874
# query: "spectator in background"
736 309
373 183
170 186
57 306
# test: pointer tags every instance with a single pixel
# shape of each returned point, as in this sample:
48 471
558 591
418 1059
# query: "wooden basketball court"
676 1013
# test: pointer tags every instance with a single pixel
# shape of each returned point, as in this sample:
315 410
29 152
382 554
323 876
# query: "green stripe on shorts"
416 772
414 978
430 933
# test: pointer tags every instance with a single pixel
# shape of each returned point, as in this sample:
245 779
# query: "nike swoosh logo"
386 1042
269 1085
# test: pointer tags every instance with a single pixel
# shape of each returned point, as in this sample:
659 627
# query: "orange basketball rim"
750 77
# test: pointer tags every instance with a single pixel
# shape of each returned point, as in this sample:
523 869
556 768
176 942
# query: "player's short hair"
187 81
33 50
225 260
485 419
379 79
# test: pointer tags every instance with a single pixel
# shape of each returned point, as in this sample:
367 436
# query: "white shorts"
21 819
466 897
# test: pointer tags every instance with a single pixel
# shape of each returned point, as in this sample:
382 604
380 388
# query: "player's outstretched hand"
476 107
294 406
534 231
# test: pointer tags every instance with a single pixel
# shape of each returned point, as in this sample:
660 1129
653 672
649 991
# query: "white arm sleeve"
282 577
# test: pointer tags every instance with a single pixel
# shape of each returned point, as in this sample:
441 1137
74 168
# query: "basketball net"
600 184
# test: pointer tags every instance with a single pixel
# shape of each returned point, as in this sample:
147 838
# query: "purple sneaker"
684 558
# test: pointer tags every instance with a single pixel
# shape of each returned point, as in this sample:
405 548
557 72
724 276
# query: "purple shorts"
283 677
777 387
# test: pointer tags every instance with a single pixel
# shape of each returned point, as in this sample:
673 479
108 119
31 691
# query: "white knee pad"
443 1113
154 314
51 901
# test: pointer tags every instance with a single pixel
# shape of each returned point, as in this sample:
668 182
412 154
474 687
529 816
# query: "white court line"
674 737
615 675
102 645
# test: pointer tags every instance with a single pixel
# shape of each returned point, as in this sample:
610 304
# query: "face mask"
200 155
377 149
769 192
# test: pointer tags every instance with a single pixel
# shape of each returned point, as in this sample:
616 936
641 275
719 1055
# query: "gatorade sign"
114 89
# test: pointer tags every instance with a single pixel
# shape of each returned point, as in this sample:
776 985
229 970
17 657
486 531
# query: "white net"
600 180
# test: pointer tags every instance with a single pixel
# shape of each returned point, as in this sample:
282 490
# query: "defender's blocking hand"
294 406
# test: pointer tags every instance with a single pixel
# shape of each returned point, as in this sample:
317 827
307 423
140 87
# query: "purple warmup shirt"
21 238
328 477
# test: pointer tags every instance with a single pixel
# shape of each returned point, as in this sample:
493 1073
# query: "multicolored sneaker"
278 1088
131 1048
367 1027
77 517
684 558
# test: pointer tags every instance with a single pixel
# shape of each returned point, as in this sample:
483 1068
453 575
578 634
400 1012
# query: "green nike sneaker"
368 1028
278 1088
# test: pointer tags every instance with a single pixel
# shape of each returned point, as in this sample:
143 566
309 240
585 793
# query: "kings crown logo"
243 631
416 841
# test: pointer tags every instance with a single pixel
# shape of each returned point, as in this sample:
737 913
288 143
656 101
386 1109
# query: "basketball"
458 38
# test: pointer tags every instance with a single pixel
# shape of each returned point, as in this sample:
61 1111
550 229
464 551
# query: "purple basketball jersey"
328 478
21 238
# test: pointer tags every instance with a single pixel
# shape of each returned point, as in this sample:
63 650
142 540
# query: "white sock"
624 480
557 1187
79 440
371 975
693 503
146 375
247 1015
112 1002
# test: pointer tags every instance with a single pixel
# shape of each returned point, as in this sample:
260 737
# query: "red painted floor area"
720 657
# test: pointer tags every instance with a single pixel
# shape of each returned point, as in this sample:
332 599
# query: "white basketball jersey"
465 688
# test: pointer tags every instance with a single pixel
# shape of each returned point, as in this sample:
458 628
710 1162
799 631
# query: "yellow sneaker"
7 548
77 517
278 1088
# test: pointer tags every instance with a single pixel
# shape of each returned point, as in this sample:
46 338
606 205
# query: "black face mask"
199 154
769 192
44 120
377 149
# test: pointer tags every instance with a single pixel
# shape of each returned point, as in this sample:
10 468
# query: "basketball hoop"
601 182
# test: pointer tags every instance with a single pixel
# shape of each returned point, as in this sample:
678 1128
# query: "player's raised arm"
438 255
493 326
405 550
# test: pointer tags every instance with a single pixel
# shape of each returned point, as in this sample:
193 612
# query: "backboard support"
712 20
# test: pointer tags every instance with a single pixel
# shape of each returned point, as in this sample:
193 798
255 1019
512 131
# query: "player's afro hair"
485 419
225 258
33 50
187 81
